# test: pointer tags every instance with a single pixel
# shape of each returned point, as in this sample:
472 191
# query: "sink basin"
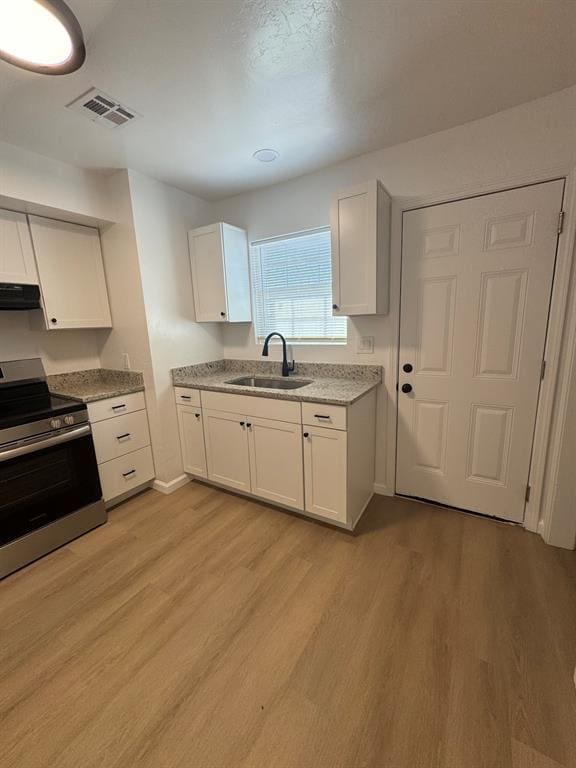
255 381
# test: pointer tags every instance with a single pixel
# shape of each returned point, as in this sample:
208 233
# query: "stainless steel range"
49 486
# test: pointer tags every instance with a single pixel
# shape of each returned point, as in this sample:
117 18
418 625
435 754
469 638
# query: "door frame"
559 351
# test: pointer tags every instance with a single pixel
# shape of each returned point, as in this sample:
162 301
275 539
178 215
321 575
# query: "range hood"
19 296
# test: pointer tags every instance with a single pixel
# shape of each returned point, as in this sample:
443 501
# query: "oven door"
44 479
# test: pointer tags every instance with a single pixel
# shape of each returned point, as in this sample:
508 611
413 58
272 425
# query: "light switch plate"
365 345
126 361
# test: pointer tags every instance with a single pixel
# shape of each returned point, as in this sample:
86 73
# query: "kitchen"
136 272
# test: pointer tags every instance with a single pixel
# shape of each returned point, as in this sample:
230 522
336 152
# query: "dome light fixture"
41 35
265 155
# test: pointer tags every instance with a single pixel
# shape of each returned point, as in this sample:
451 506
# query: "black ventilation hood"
18 296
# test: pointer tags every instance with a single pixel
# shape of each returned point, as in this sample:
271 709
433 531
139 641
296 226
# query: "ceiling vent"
101 108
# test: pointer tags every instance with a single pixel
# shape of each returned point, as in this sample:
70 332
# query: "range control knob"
55 423
69 420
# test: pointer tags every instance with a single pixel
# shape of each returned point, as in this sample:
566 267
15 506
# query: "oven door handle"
44 442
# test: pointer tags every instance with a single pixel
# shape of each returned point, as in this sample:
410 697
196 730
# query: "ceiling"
317 80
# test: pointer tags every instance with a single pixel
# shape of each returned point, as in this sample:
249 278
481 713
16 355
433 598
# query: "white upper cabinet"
360 225
71 271
220 274
17 263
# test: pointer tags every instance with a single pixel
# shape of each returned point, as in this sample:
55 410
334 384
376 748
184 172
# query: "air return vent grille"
101 108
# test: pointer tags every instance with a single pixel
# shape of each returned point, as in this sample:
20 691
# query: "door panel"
476 284
325 463
192 440
17 263
226 439
276 461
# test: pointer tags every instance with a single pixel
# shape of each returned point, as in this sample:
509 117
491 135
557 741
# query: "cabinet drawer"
331 416
186 396
125 473
116 437
248 405
116 406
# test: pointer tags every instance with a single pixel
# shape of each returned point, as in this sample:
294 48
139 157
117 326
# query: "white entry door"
476 283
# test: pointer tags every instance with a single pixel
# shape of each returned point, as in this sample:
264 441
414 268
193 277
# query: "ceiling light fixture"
41 35
265 155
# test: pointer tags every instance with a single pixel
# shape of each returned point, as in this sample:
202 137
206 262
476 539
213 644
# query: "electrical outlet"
365 345
126 361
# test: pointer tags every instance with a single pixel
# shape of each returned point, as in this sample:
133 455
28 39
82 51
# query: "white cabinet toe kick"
313 458
122 443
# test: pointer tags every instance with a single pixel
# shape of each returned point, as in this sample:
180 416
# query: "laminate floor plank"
207 630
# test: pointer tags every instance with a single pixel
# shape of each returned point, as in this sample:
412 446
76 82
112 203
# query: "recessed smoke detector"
265 155
104 109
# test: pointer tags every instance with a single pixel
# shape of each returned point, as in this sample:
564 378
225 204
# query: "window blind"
292 288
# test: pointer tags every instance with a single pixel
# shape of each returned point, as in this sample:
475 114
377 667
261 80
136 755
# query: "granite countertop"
337 384
95 384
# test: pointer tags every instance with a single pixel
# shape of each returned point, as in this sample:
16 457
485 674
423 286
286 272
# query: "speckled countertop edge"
95 384
334 384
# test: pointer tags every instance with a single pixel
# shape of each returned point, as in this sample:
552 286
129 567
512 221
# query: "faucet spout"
287 367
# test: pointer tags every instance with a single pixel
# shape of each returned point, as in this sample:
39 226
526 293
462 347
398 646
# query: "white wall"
162 217
61 351
38 180
493 151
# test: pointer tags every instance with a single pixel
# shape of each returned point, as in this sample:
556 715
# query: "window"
292 288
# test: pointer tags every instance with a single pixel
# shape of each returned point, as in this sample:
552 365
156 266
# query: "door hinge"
527 494
543 370
560 222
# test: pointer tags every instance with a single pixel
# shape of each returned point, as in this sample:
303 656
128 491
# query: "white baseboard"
172 485
382 490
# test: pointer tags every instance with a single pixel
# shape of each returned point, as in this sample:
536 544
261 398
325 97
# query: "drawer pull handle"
118 407
123 437
320 416
242 423
127 474
185 397
249 425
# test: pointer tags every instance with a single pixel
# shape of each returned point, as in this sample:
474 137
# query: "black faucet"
287 367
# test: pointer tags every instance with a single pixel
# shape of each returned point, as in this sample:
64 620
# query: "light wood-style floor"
203 630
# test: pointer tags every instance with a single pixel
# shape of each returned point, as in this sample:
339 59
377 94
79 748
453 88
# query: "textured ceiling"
318 80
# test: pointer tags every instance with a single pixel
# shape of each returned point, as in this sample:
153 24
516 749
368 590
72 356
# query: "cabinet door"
325 472
17 263
207 265
71 273
192 440
360 227
227 457
276 461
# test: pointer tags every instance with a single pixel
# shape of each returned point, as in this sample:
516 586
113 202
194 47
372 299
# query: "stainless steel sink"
256 381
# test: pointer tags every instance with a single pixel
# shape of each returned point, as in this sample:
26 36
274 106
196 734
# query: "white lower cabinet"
190 423
227 449
122 444
325 470
276 470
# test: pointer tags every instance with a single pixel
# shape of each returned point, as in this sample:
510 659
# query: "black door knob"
406 388
407 368
53 320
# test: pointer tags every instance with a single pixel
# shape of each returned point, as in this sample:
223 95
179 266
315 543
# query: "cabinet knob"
197 415
242 423
406 388
53 320
222 314
249 425
306 434
335 306
407 368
